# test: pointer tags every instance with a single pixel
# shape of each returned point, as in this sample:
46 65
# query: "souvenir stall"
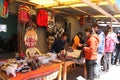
29 62
32 63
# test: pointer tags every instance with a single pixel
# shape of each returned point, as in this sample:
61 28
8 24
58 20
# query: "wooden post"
20 36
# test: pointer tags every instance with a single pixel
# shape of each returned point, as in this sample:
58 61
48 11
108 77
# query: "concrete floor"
113 74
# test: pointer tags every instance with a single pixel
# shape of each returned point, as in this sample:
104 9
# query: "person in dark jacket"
59 44
117 56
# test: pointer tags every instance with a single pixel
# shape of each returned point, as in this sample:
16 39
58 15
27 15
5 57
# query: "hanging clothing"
58 31
4 8
23 13
42 18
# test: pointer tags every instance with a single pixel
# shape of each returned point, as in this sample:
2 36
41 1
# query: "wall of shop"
42 40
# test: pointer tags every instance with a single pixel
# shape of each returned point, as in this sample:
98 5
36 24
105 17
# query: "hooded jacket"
91 50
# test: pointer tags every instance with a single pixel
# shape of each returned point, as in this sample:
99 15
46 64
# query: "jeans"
107 61
90 64
117 56
112 58
98 66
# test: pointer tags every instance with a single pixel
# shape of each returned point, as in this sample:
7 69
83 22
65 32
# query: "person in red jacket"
90 52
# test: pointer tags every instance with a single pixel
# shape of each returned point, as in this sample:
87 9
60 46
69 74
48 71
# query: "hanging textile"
23 13
1 7
42 18
58 31
51 21
30 38
4 8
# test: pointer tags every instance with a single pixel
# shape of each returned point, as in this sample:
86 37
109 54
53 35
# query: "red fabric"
42 18
23 14
5 8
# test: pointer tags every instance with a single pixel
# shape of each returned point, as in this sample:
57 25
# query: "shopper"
91 52
77 41
114 37
109 48
100 49
117 56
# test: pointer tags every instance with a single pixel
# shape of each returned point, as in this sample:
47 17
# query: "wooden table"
43 71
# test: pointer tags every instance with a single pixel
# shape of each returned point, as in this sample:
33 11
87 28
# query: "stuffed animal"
11 69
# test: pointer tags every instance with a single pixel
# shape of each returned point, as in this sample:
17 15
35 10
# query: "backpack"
42 18
109 44
23 13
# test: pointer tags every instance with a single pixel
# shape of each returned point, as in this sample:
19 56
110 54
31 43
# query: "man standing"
101 47
117 56
90 52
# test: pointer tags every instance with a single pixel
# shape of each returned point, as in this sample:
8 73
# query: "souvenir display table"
43 72
49 70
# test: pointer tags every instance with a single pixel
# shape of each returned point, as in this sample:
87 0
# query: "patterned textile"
23 13
30 38
51 21
4 8
58 31
1 7
50 40
30 42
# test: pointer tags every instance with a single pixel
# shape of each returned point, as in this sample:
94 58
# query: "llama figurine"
11 69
